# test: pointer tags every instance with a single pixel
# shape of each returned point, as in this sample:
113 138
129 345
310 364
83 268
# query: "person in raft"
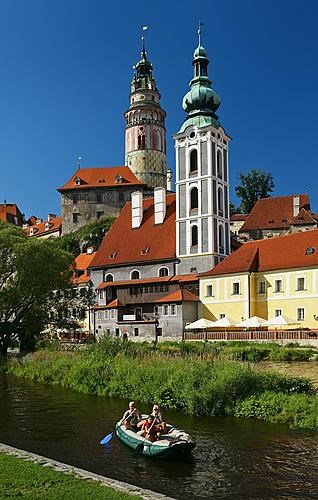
131 417
150 429
159 422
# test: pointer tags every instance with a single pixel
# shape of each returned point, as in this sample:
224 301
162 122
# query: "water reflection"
241 459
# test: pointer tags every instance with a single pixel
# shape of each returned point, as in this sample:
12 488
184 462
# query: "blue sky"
66 67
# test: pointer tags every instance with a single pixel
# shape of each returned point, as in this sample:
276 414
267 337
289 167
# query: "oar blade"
139 450
107 438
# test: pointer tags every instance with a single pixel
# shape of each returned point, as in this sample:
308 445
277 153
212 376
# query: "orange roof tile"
81 263
282 252
106 284
304 217
274 212
185 278
9 212
101 177
114 303
39 229
179 296
124 245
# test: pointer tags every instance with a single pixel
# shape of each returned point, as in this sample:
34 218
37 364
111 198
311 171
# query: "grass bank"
22 479
189 384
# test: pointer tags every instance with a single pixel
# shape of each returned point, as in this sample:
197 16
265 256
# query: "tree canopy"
31 271
254 185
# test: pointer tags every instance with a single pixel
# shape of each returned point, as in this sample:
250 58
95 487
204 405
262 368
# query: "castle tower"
202 187
145 136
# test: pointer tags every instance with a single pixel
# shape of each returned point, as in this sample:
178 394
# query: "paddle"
109 436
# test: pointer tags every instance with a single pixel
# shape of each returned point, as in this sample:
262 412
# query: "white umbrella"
224 322
199 324
281 321
253 322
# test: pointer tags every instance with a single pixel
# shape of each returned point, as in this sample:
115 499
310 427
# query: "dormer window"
47 226
31 231
112 255
145 250
77 181
118 179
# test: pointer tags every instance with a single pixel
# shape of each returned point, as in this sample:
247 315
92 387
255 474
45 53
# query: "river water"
234 458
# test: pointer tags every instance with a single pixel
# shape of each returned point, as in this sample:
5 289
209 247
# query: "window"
221 316
146 289
101 294
120 197
221 239
189 287
99 315
194 199
173 309
220 202
193 161
135 275
219 164
262 287
76 218
161 288
99 198
156 288
136 332
117 332
209 291
163 271
109 277
300 283
112 314
300 314
194 236
99 214
278 312
278 286
156 310
138 313
165 310
236 288
106 314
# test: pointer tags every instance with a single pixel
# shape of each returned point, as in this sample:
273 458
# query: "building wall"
92 203
266 303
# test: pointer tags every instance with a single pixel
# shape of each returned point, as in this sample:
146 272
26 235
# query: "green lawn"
29 481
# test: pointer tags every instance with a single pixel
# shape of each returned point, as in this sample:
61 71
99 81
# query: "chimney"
169 180
160 204
50 216
136 209
296 205
90 250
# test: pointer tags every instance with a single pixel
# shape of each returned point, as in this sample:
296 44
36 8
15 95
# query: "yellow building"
266 278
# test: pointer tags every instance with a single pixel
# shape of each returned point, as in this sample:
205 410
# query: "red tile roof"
304 217
274 212
179 296
185 278
238 217
101 177
9 212
55 224
114 303
81 263
149 242
283 252
106 284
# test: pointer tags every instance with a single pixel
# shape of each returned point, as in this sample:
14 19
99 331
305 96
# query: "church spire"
201 101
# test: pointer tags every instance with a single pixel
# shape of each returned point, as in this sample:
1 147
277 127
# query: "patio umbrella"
281 321
224 322
253 322
199 324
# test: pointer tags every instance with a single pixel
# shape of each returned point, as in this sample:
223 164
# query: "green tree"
234 209
31 271
254 185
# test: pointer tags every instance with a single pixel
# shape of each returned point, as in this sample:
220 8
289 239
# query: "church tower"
202 180
145 136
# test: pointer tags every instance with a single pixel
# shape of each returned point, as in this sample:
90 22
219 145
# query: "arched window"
194 236
109 277
220 202
163 271
194 198
135 275
219 165
193 161
221 239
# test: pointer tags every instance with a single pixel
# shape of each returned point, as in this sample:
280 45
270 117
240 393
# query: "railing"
253 335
